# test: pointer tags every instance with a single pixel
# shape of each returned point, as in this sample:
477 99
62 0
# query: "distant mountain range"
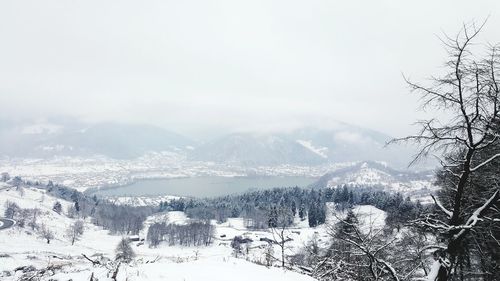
306 146
43 139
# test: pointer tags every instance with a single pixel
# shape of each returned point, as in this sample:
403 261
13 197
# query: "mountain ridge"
306 146
303 146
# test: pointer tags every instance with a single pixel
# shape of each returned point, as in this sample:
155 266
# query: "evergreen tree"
302 211
273 217
294 208
312 216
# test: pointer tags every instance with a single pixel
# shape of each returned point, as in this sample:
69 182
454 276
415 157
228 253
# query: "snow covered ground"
22 247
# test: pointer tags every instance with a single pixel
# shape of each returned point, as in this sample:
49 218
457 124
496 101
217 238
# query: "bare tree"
357 255
11 209
279 229
33 218
71 212
17 181
255 218
236 245
4 177
469 91
75 231
46 233
269 254
191 234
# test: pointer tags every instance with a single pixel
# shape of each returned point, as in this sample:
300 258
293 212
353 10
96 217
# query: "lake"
203 186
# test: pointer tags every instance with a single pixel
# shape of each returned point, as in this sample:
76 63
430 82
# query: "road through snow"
6 223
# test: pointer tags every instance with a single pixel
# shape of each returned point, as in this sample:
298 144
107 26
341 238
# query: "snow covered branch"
446 211
476 215
485 162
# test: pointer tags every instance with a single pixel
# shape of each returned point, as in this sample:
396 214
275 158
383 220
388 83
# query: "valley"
167 173
249 140
84 173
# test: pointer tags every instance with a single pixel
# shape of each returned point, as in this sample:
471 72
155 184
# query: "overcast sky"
203 66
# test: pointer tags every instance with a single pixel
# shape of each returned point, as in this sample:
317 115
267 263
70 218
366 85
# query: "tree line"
190 234
259 208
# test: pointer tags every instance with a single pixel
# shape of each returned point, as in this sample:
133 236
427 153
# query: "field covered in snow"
23 247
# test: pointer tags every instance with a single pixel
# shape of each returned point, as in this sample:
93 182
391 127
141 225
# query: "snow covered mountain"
306 146
72 138
256 149
381 177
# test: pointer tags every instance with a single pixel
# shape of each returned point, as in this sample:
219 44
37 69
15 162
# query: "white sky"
207 66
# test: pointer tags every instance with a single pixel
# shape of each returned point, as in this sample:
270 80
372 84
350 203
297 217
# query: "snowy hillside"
417 185
23 246
22 249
